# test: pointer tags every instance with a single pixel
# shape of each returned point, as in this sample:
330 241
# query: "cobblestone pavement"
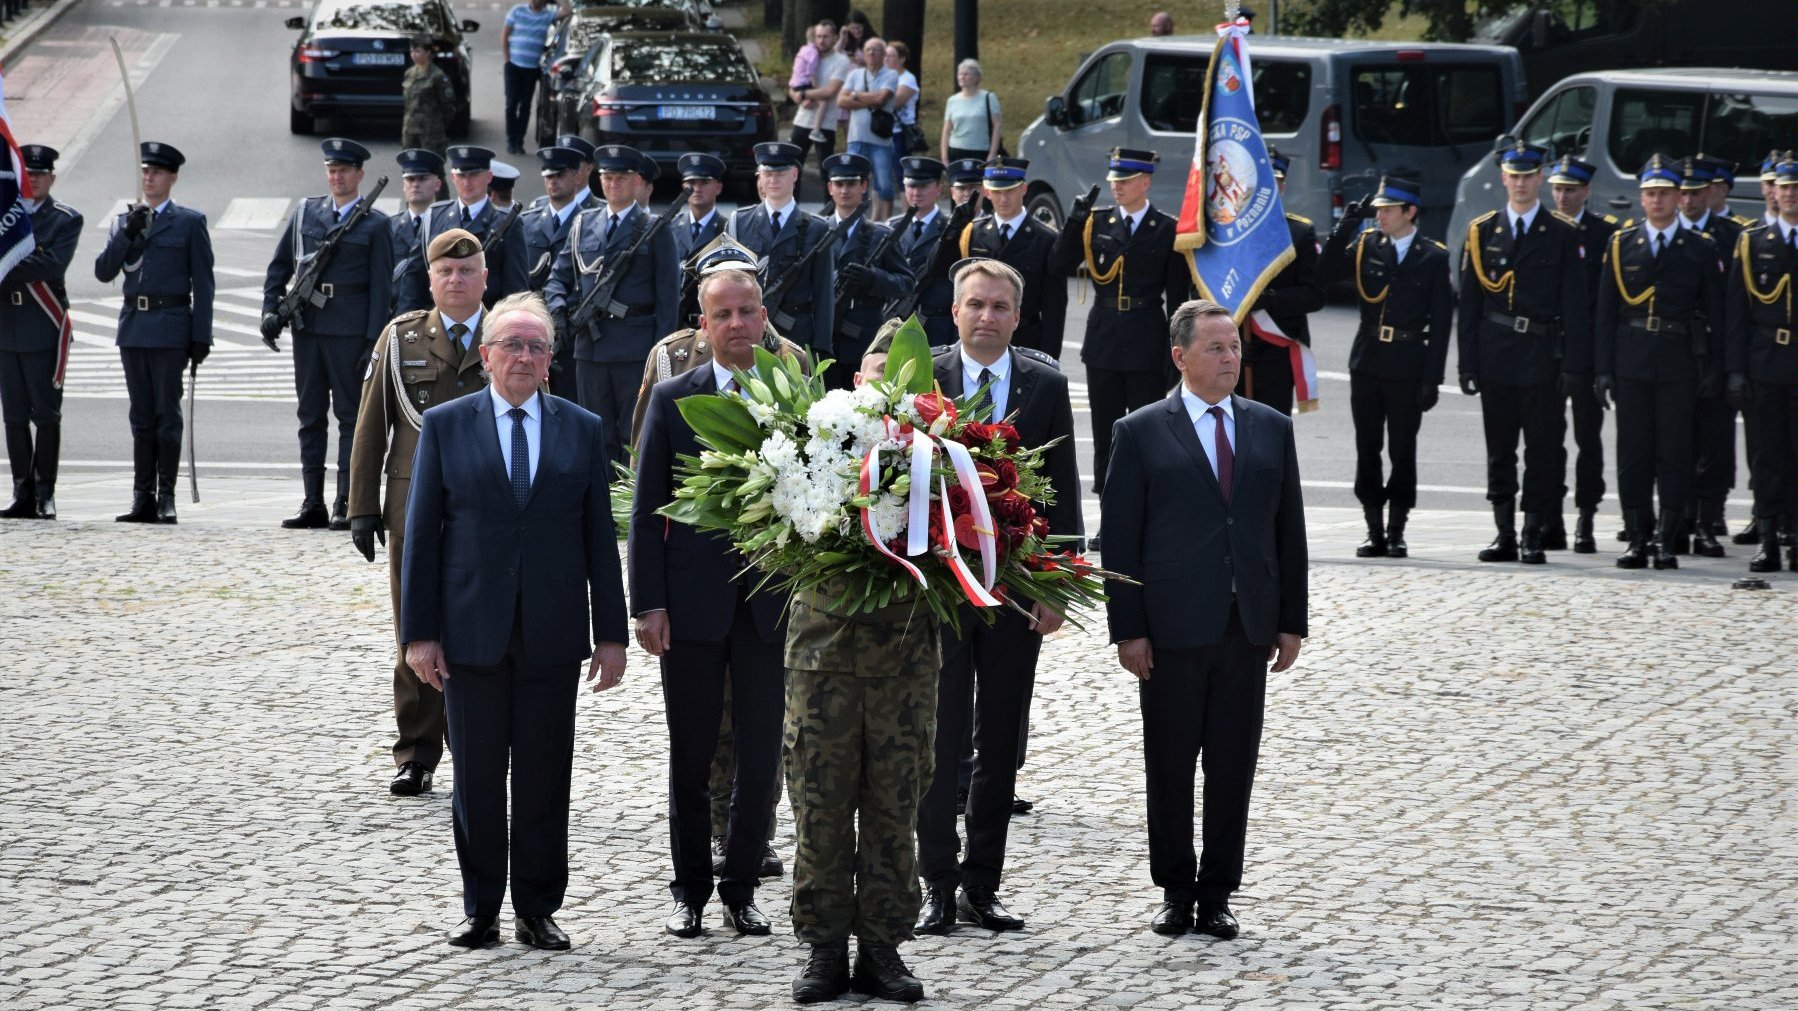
1482 787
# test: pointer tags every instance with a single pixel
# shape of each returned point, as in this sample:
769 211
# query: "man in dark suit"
331 342
867 285
1702 178
1290 298
1203 507
35 332
510 578
545 226
1027 246
165 253
471 170
1025 386
700 617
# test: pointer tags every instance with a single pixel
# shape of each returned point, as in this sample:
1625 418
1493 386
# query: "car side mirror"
1055 110
1539 30
297 24
471 26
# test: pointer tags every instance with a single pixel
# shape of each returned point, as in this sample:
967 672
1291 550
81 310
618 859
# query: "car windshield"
644 62
399 17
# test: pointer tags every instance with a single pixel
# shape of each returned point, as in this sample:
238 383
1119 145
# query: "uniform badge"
415 364
411 338
424 396
680 354
369 372
700 346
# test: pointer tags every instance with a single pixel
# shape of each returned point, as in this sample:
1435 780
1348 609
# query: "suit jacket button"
1229 521
510 571
1226 559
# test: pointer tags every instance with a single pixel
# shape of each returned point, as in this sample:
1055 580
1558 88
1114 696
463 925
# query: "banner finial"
1232 10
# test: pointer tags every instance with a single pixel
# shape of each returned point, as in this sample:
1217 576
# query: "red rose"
1008 474
1014 508
1009 433
1040 526
978 433
931 406
959 502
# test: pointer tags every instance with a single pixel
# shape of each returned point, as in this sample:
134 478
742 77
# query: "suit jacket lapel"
486 437
948 372
1245 431
548 427
1188 437
437 340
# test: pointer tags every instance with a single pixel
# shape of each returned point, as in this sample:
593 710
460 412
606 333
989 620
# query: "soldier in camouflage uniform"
860 729
430 100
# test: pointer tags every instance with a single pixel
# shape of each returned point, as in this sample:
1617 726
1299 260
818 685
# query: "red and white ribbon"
921 449
1304 363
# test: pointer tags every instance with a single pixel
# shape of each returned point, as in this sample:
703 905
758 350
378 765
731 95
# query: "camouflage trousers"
859 756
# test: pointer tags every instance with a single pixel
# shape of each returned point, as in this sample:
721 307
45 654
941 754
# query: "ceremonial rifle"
304 291
887 241
777 293
601 297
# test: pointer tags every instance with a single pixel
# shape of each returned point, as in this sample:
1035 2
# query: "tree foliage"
1445 20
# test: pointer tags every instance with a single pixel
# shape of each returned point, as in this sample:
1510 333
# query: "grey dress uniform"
692 236
507 271
331 342
545 231
809 300
918 246
33 352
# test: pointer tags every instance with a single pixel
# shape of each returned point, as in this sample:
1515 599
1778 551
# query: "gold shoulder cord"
1092 271
1506 282
967 235
1380 299
1784 287
1632 301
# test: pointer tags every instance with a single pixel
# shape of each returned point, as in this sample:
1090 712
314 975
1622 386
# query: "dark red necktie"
1226 457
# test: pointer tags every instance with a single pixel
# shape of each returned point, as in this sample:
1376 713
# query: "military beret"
456 244
345 152
160 155
39 157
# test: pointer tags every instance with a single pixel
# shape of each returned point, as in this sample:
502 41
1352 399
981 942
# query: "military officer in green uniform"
430 100
420 360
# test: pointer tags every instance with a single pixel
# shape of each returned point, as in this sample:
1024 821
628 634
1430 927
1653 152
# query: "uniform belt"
631 311
144 303
19 296
1657 324
1524 324
1781 335
1129 303
1394 335
867 303
332 289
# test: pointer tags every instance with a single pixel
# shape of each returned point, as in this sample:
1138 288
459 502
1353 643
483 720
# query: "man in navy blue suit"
1202 506
510 519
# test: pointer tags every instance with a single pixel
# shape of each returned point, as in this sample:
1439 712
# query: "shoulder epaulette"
412 315
441 203
1610 219
1038 356
1482 219
1627 223
942 349
1300 218
1569 220
1436 243
1738 219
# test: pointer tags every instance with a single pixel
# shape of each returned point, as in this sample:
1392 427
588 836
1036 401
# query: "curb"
18 39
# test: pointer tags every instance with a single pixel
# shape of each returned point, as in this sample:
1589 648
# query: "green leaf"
724 422
910 344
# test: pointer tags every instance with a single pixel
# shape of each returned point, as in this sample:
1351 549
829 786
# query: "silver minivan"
1344 112
1615 119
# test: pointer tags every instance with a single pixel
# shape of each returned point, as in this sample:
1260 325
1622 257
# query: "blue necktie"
611 226
521 458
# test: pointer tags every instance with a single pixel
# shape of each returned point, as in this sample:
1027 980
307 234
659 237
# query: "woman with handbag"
971 125
867 96
908 137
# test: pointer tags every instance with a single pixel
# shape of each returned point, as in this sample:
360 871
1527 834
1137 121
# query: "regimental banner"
16 240
1232 224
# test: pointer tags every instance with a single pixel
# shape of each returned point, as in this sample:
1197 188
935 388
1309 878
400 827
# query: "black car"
667 93
575 35
352 54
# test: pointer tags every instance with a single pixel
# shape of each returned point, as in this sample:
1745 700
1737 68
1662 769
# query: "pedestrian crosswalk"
240 367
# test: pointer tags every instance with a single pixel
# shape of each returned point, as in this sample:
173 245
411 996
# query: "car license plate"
377 59
686 112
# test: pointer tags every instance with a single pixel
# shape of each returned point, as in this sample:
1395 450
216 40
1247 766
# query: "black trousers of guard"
1385 414
153 382
1270 374
693 695
1713 450
609 389
1112 394
1773 418
1533 412
1202 709
1654 444
29 397
986 680
513 721
1588 442
327 376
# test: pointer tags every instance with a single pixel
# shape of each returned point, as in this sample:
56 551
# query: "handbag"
880 119
989 125
912 136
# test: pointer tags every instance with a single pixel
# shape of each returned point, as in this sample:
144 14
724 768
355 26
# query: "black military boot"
880 972
1704 537
1675 537
1660 552
168 463
1584 543
1767 558
44 462
1554 531
312 515
143 483
340 509
1530 551
1636 555
826 974
1375 545
1395 535
1503 547
24 479
1750 534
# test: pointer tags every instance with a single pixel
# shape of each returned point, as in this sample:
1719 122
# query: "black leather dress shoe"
744 918
476 932
771 865
340 515
826 974
412 780
1214 918
880 972
540 932
1021 806
980 905
684 921
937 914
1172 918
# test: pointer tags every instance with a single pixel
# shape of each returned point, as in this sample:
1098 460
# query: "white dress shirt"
786 212
1206 426
1000 394
721 376
1651 232
533 428
1134 219
1785 231
1015 223
1402 246
1529 217
1696 225
474 209
569 210
473 323
924 219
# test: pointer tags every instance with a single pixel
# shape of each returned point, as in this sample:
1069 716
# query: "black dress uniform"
1290 298
1138 280
507 271
331 342
165 254
1396 362
1761 356
545 232
1654 347
1027 246
1523 298
867 285
35 331
919 245
609 352
780 237
1595 231
1714 421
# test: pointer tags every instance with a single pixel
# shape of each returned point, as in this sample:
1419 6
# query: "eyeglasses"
519 349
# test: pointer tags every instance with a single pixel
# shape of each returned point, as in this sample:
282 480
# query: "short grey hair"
1185 322
524 303
991 268
971 64
745 277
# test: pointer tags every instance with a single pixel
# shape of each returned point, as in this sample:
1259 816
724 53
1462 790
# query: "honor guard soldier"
1289 299
1523 299
1769 196
1656 352
780 234
587 172
610 345
699 222
165 253
545 228
919 243
35 331
965 178
499 188
1127 252
1571 183
471 169
421 179
1401 345
1714 427
870 271
1027 246
420 360
1762 359
330 341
